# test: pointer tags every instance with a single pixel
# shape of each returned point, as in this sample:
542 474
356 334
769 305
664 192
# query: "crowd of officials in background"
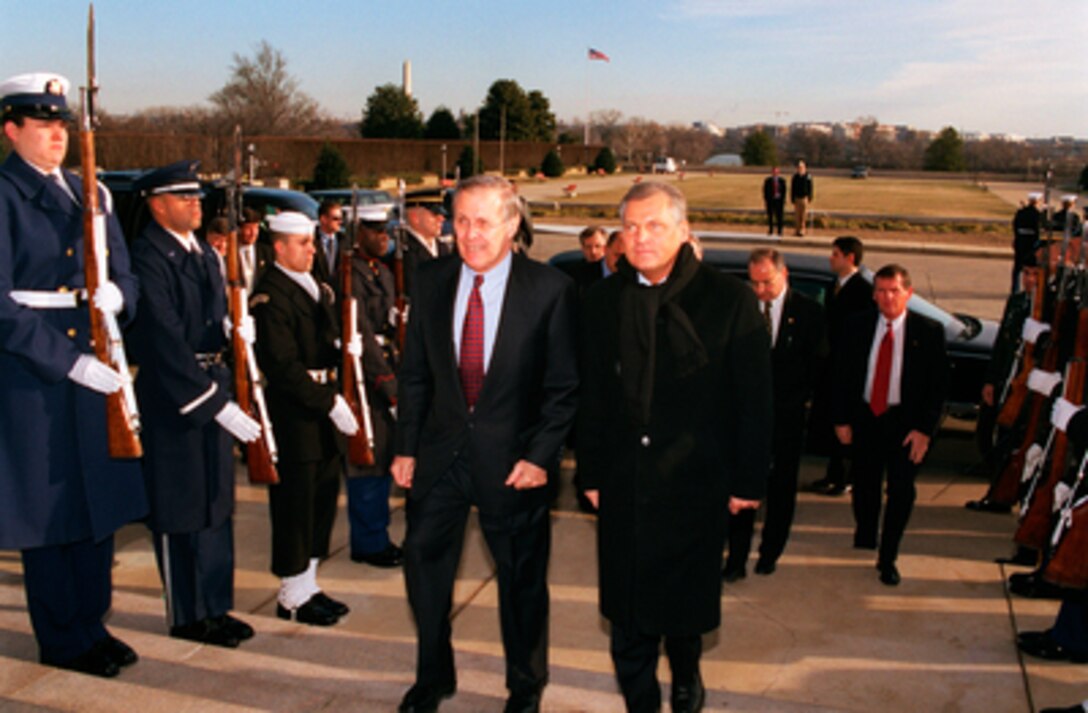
689 409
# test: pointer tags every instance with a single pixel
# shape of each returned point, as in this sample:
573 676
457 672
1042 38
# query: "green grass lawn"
877 196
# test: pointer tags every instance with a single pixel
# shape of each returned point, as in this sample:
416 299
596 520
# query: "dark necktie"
472 345
878 399
767 319
330 252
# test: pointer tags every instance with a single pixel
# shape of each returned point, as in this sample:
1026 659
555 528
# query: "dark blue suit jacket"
57 481
528 398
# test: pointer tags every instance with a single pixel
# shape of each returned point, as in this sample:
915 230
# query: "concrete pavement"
821 634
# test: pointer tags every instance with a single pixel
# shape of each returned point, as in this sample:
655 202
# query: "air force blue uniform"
61 495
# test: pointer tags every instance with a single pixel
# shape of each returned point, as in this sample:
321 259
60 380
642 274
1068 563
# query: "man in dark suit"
328 242
297 330
179 341
799 347
851 294
61 494
424 217
674 434
487 394
774 200
254 255
1026 226
891 379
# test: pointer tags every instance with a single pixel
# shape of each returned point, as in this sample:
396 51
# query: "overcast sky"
1010 66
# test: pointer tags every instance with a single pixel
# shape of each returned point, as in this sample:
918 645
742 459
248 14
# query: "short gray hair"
770 254
640 191
511 204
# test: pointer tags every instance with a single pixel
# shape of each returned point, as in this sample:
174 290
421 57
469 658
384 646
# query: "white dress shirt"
899 330
492 293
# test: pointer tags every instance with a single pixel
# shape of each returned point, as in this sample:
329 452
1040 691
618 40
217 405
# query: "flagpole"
585 131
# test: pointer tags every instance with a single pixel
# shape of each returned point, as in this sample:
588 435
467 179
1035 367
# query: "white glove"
1063 411
355 346
393 312
108 298
1043 382
343 418
238 423
1033 329
1062 493
90 372
248 330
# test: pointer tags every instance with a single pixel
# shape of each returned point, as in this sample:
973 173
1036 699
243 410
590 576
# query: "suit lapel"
444 326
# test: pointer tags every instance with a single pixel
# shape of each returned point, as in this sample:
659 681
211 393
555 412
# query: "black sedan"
970 340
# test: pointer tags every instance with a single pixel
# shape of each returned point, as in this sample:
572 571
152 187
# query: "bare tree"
265 99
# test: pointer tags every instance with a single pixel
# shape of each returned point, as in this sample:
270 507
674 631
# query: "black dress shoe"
524 702
1024 556
1033 586
820 485
312 612
336 607
1075 708
424 698
987 505
889 574
864 543
391 556
205 631
733 574
688 698
241 630
118 651
93 662
1044 647
765 565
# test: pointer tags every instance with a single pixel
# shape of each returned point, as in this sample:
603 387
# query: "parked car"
367 196
665 165
860 171
969 340
133 215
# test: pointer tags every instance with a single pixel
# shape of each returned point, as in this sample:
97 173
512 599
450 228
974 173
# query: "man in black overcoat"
487 394
774 200
891 380
674 433
1026 228
297 349
799 348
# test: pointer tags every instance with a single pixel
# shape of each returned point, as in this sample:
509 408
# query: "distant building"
724 159
709 128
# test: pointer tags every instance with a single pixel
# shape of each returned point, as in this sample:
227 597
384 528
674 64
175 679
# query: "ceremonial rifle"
353 387
398 271
261 453
1068 566
1036 519
122 414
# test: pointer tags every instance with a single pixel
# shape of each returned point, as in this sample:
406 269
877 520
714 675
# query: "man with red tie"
487 393
890 386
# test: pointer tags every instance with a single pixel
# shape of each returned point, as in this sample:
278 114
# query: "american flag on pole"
597 54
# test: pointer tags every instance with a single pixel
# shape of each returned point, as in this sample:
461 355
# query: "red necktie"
878 399
472 345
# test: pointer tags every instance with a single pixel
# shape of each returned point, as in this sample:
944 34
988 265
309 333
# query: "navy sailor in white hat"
61 496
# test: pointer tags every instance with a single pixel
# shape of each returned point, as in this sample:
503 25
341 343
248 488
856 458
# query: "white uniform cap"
1069 198
373 213
291 223
41 95
1035 196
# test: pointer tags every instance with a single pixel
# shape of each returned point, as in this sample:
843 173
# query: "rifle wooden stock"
361 445
1068 566
122 418
261 453
1018 389
1037 523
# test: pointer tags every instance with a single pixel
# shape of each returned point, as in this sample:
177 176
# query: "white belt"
322 376
45 299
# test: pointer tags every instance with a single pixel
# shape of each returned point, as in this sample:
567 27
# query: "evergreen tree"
759 150
468 163
442 125
606 161
552 165
391 114
331 170
945 153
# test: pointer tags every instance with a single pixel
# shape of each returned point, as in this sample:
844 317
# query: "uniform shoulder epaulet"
259 299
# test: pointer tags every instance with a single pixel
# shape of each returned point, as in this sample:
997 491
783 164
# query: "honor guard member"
297 349
179 340
368 488
424 218
61 496
1025 228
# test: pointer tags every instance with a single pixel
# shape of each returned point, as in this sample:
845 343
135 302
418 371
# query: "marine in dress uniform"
61 496
1026 224
179 340
297 350
368 487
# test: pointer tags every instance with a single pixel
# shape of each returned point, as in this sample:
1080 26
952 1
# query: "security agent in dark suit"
329 242
297 350
179 340
774 200
254 255
798 350
851 294
487 394
1026 226
61 495
674 434
368 487
424 217
891 379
